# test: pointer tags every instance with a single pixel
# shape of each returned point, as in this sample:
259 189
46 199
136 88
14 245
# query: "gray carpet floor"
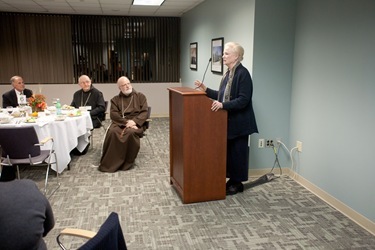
277 215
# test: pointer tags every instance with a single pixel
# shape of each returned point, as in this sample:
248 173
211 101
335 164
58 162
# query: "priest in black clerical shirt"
90 96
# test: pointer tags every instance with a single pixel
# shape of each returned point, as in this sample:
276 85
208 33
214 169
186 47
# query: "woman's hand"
216 106
199 85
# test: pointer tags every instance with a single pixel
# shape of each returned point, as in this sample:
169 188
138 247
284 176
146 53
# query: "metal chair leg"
18 172
57 177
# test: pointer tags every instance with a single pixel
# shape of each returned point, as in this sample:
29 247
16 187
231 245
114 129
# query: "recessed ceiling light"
148 2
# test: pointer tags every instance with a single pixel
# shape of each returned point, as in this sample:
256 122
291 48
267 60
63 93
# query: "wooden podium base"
198 138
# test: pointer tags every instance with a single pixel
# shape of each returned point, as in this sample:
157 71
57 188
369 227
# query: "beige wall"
156 93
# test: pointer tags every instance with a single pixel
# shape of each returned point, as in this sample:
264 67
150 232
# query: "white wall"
272 76
333 99
232 20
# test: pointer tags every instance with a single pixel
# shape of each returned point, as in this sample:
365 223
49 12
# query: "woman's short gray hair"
237 49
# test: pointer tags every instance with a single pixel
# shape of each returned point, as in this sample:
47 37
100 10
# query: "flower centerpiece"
37 102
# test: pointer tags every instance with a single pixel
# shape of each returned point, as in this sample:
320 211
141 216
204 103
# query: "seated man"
90 96
128 113
25 214
10 98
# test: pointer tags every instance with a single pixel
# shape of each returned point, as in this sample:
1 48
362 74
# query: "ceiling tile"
98 7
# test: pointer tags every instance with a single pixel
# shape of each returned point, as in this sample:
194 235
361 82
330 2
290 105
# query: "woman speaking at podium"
235 96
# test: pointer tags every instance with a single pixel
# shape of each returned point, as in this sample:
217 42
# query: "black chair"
109 236
146 126
20 146
101 119
147 123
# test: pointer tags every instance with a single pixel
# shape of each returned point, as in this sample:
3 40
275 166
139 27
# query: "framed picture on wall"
194 56
217 45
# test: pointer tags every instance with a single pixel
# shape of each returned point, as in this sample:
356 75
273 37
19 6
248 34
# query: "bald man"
10 98
90 96
129 111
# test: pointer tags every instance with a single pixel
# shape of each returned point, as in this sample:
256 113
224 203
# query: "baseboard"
159 115
253 173
362 221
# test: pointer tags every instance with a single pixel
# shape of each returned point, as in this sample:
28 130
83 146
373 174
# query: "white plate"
30 121
60 118
5 121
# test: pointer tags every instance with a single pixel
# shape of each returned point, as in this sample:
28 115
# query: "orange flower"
38 101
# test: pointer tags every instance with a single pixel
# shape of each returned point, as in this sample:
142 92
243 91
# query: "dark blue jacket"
241 117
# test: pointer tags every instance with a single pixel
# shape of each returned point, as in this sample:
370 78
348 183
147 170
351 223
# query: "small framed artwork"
217 45
194 56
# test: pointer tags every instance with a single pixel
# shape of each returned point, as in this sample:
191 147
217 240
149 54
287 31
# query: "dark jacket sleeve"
241 117
6 100
241 91
98 104
28 93
49 223
213 94
75 101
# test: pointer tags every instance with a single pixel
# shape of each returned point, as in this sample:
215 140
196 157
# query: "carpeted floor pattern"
277 215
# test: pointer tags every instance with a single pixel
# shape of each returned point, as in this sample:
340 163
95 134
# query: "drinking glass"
10 109
54 101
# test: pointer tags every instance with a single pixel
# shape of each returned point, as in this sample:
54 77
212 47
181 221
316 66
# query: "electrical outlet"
261 143
269 143
299 146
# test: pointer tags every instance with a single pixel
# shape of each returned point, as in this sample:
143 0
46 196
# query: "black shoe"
235 188
229 183
75 151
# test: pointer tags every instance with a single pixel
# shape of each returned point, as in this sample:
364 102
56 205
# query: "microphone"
209 60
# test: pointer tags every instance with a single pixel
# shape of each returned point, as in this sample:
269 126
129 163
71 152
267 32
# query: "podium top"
186 91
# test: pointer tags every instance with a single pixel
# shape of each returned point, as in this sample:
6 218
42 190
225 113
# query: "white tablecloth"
73 132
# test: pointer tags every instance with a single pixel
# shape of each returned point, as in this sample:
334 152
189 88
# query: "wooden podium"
198 144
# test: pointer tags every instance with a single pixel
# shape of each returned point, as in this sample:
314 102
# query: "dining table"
69 130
